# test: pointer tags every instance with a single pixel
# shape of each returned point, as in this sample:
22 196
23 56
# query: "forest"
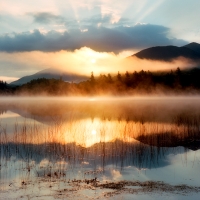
142 82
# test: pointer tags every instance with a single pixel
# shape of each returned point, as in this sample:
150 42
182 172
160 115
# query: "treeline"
142 82
146 82
3 87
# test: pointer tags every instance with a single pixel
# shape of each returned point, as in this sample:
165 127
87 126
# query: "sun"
93 60
94 132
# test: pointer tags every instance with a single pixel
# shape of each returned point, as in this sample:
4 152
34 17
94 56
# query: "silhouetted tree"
127 79
3 85
109 78
92 79
178 72
119 77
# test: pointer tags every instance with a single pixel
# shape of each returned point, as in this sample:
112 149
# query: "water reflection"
64 139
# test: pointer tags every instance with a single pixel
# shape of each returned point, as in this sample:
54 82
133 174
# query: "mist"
82 61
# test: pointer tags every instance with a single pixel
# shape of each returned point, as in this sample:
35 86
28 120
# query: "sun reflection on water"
89 131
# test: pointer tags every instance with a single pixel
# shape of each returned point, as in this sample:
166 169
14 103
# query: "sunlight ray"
150 10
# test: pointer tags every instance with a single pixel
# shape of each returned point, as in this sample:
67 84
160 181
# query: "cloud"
100 39
105 21
96 20
46 17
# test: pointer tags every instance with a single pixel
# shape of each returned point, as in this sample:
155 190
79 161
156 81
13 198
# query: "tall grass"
56 152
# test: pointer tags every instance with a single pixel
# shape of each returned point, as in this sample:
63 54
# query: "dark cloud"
98 38
46 17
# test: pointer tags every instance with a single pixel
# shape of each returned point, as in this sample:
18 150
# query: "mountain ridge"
50 73
169 53
194 46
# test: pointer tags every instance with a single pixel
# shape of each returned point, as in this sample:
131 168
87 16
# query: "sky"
84 35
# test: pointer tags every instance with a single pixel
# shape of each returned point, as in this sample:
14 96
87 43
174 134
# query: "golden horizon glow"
85 60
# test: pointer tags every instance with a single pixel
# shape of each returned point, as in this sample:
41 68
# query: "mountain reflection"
117 153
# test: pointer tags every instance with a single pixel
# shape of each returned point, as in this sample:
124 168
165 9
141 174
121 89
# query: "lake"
100 148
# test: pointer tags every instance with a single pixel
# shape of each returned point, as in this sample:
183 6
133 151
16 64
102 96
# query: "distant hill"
168 53
194 46
49 74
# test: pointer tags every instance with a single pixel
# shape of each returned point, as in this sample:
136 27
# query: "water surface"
52 145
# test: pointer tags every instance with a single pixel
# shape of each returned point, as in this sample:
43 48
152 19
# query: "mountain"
194 46
49 74
168 53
